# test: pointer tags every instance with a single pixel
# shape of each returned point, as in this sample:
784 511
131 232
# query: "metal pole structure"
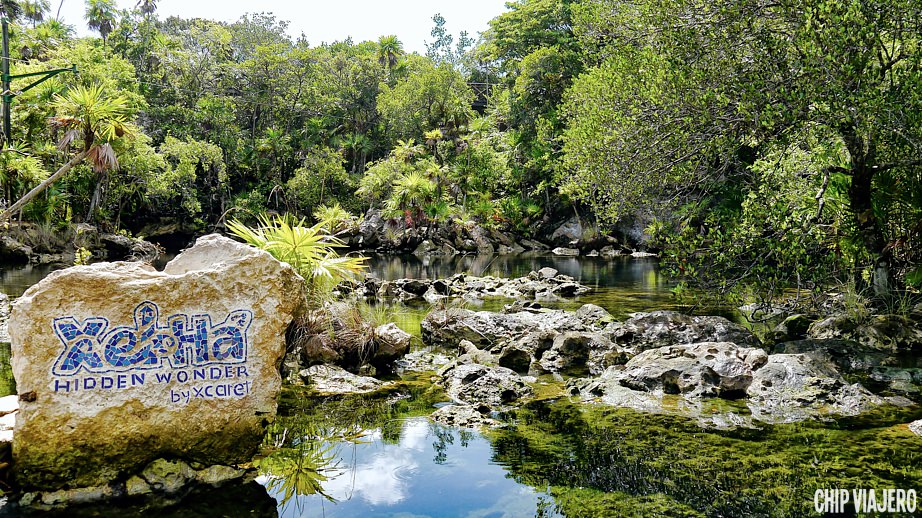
7 94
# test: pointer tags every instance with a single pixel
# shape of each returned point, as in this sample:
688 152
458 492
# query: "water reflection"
15 280
7 383
593 271
430 471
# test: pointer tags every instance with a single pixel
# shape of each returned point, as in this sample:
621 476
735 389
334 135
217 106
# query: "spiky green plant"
310 250
334 217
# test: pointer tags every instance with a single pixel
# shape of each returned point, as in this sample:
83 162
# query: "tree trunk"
862 207
14 208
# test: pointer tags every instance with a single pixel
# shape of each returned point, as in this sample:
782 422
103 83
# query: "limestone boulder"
118 365
709 369
889 333
487 329
330 379
476 384
391 344
465 416
663 328
793 387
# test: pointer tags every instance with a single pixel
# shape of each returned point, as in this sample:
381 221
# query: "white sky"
329 20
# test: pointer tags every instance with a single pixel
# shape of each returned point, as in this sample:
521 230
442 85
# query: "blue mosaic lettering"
183 341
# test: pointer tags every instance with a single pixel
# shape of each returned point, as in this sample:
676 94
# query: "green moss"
672 466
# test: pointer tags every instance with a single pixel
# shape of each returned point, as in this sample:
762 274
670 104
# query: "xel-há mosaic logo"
180 341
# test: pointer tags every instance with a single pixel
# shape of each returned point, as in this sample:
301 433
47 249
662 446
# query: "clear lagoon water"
378 456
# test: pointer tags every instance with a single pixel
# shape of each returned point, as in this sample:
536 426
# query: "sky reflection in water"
432 471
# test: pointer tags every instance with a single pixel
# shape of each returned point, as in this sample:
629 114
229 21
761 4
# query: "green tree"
35 10
430 97
92 122
100 16
697 102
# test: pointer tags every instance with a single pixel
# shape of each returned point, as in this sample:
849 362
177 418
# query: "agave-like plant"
310 250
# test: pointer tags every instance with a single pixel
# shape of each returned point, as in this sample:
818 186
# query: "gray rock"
479 384
422 361
793 387
916 427
571 350
391 343
4 317
569 232
890 333
709 369
485 329
119 247
593 315
427 247
848 355
793 327
572 252
465 416
663 328
530 244
547 273
330 379
414 286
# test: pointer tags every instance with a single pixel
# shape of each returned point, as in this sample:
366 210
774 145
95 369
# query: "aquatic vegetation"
601 460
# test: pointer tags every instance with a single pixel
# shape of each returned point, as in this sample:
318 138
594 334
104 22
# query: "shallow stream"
379 455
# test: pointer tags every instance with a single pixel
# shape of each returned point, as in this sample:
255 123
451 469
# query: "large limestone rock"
118 364
4 317
889 333
487 329
663 328
710 369
793 387
476 384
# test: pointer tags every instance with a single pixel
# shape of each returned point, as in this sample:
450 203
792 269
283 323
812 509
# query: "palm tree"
411 191
147 7
93 121
389 50
100 16
35 10
10 9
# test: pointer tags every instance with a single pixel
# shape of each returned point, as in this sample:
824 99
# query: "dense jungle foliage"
761 145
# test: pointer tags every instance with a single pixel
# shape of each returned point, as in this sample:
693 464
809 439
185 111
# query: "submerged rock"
465 416
118 364
330 379
479 384
663 328
163 479
793 387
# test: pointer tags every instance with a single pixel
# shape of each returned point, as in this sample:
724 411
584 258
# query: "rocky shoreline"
662 361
